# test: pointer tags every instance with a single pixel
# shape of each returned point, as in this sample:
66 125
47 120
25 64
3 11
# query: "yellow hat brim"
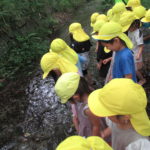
45 74
141 123
96 37
96 106
93 32
145 20
126 28
106 50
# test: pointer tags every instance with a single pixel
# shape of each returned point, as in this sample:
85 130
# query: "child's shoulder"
126 53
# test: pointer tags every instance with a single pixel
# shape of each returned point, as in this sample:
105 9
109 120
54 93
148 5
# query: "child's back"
128 139
124 64
137 39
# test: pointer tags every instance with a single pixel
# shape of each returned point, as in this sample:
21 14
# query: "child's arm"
128 76
99 64
105 61
140 50
97 45
95 122
106 133
76 123
75 118
147 38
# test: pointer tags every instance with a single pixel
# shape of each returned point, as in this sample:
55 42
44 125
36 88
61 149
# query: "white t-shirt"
141 144
137 39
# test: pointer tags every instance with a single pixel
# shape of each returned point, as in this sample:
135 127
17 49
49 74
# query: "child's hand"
137 57
105 61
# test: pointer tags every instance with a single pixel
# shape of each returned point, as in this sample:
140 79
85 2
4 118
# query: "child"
102 17
136 37
117 10
93 18
52 61
103 56
80 42
146 26
133 3
123 102
72 87
60 47
111 37
80 143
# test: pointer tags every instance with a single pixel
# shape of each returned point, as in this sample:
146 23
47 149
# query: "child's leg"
139 66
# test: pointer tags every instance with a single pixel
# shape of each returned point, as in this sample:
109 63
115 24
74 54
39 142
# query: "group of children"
115 113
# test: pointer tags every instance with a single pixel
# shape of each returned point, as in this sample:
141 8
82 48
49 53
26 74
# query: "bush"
26 26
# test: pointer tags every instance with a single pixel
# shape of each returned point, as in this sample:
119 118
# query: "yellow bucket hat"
131 100
80 143
109 14
98 25
67 85
117 10
51 61
111 30
139 12
93 18
126 20
78 33
60 47
133 3
102 17
97 143
147 17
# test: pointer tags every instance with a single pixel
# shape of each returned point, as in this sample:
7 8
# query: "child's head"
102 17
97 26
60 47
82 92
112 37
139 12
78 34
135 25
117 10
121 120
123 101
93 18
81 143
126 20
146 19
51 61
72 87
109 14
133 3
114 44
67 85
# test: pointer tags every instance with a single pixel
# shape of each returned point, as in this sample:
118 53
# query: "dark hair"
119 116
83 87
71 37
136 24
112 41
129 8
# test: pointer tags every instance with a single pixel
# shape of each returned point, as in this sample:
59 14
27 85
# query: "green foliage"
146 3
25 26
106 4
